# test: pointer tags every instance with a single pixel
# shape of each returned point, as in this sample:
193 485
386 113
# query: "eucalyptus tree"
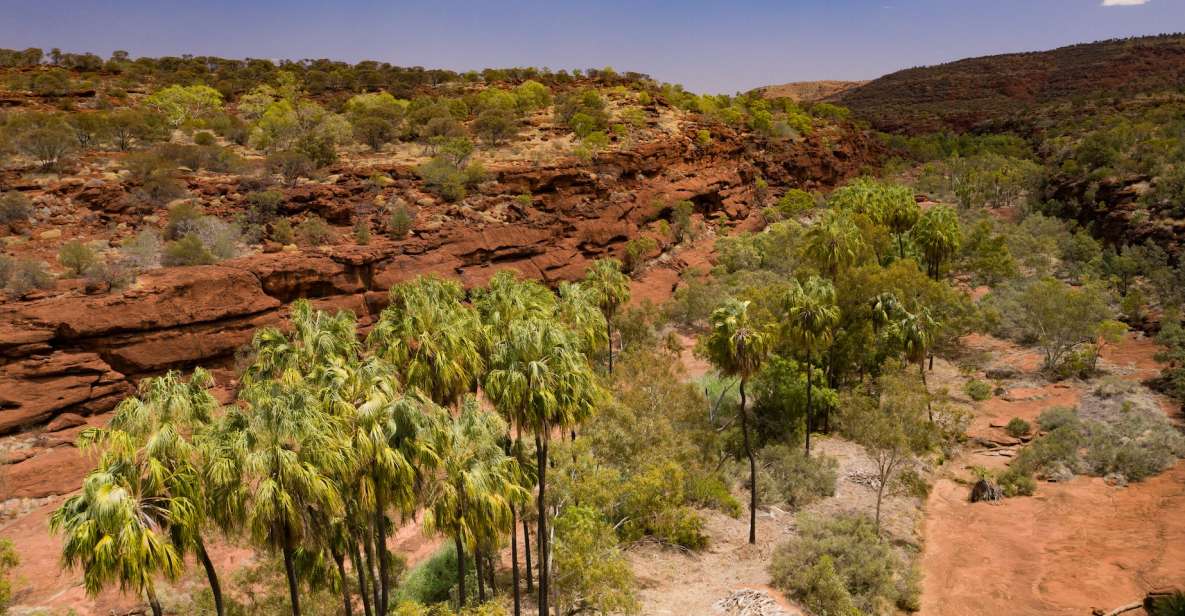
432 338
811 317
738 347
469 498
541 379
611 289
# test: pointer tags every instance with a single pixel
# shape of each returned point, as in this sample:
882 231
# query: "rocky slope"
73 352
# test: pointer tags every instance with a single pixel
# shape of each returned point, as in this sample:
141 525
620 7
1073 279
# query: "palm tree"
469 500
432 338
738 348
916 332
579 309
834 243
117 529
160 427
811 318
938 236
611 289
541 378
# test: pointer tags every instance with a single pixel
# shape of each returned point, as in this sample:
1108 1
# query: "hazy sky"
709 46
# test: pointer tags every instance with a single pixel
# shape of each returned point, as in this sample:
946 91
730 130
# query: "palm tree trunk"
752 469
153 602
491 569
360 570
527 554
368 545
380 538
477 568
609 335
460 573
810 374
541 460
340 560
290 571
922 370
514 559
211 575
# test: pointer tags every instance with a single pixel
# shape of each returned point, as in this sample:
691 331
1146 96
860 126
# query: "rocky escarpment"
70 352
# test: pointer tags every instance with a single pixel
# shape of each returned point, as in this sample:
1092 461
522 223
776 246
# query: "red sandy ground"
1073 546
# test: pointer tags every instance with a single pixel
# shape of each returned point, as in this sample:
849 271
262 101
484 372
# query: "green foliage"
77 257
447 179
795 202
591 571
180 104
15 209
27 275
290 164
636 252
1138 445
863 566
1018 427
9 559
795 480
978 390
400 221
314 231
182 218
283 232
188 250
361 232
1014 482
938 235
681 223
263 206
431 581
495 126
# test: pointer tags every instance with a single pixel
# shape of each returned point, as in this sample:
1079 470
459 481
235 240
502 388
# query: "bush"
1014 482
76 257
204 137
432 580
115 275
1139 445
795 202
263 206
400 222
282 232
182 218
291 165
8 561
1017 427
361 232
864 565
188 250
795 479
447 180
1056 417
27 275
143 251
1055 451
219 237
636 251
313 231
14 208
978 390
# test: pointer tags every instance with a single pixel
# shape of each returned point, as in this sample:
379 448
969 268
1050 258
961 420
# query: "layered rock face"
71 352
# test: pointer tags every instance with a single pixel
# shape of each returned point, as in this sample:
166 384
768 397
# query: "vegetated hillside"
969 93
809 91
151 226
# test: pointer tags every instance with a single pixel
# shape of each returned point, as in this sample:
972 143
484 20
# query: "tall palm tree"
834 243
916 332
117 529
469 500
811 318
579 309
737 348
938 236
432 338
611 289
159 427
542 379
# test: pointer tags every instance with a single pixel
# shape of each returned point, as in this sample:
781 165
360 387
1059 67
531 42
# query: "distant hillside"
969 93
809 91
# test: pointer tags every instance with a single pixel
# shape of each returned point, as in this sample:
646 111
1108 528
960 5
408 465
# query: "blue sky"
709 46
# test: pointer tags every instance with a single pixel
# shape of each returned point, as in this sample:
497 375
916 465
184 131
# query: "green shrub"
824 591
290 165
1172 605
27 275
432 580
1139 445
795 202
636 251
1014 482
76 257
282 232
14 208
978 390
1018 427
793 478
864 563
188 250
113 275
1058 416
1059 448
182 218
142 251
448 180
263 206
399 223
9 559
218 236
314 231
361 232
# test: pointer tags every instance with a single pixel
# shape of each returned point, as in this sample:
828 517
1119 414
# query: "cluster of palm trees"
334 439
738 346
